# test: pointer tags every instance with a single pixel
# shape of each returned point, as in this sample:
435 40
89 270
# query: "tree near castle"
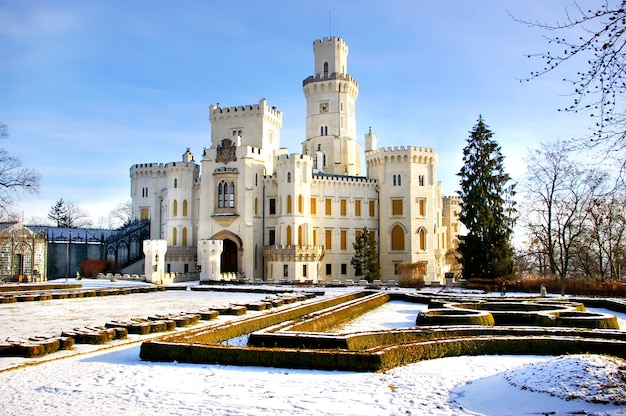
67 214
487 208
365 259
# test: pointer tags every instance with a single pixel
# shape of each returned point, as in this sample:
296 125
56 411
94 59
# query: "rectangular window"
357 234
329 269
313 206
329 206
357 208
285 270
304 270
256 206
315 235
329 239
145 213
272 206
272 237
372 208
344 239
343 207
422 207
344 268
420 180
396 207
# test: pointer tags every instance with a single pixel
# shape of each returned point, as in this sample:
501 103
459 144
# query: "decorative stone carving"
226 152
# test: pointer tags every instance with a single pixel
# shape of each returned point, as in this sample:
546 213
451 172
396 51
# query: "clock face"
324 107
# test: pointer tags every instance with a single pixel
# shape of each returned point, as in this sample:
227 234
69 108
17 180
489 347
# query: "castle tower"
330 116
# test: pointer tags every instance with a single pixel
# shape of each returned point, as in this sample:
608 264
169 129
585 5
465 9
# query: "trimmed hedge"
377 359
577 319
454 317
218 333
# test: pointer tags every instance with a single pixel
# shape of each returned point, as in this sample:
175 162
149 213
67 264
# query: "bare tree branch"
593 43
15 179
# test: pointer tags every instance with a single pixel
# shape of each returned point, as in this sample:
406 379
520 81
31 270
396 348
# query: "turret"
330 120
371 141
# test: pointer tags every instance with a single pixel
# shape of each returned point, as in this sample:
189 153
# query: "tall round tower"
330 115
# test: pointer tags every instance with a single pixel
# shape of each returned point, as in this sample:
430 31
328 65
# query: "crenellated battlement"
401 154
329 40
330 77
181 166
343 178
293 156
147 165
216 112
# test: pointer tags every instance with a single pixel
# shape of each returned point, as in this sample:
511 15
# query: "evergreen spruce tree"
365 259
59 214
486 208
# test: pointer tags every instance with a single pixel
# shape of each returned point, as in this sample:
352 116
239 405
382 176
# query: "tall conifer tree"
365 259
486 207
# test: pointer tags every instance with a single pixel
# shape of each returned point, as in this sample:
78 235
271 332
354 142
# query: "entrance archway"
232 252
229 257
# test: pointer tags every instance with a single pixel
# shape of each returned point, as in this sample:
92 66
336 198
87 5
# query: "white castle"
251 210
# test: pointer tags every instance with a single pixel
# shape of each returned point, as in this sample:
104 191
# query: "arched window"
111 255
422 238
300 204
185 237
226 195
399 180
300 235
174 236
175 183
135 247
397 238
185 208
288 235
175 209
288 177
394 180
325 69
122 252
289 204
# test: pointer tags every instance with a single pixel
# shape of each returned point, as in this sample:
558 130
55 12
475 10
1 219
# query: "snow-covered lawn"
116 381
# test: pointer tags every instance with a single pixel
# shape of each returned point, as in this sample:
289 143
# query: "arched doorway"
229 257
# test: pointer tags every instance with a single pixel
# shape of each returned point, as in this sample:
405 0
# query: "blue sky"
90 88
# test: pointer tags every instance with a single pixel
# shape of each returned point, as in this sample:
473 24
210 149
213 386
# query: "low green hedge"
377 359
328 319
577 319
454 317
218 333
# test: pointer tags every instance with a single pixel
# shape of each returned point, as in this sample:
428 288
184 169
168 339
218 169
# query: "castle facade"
249 209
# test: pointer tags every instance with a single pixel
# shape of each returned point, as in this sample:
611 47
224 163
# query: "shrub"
91 267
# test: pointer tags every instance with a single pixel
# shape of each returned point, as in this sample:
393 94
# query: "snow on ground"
116 381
